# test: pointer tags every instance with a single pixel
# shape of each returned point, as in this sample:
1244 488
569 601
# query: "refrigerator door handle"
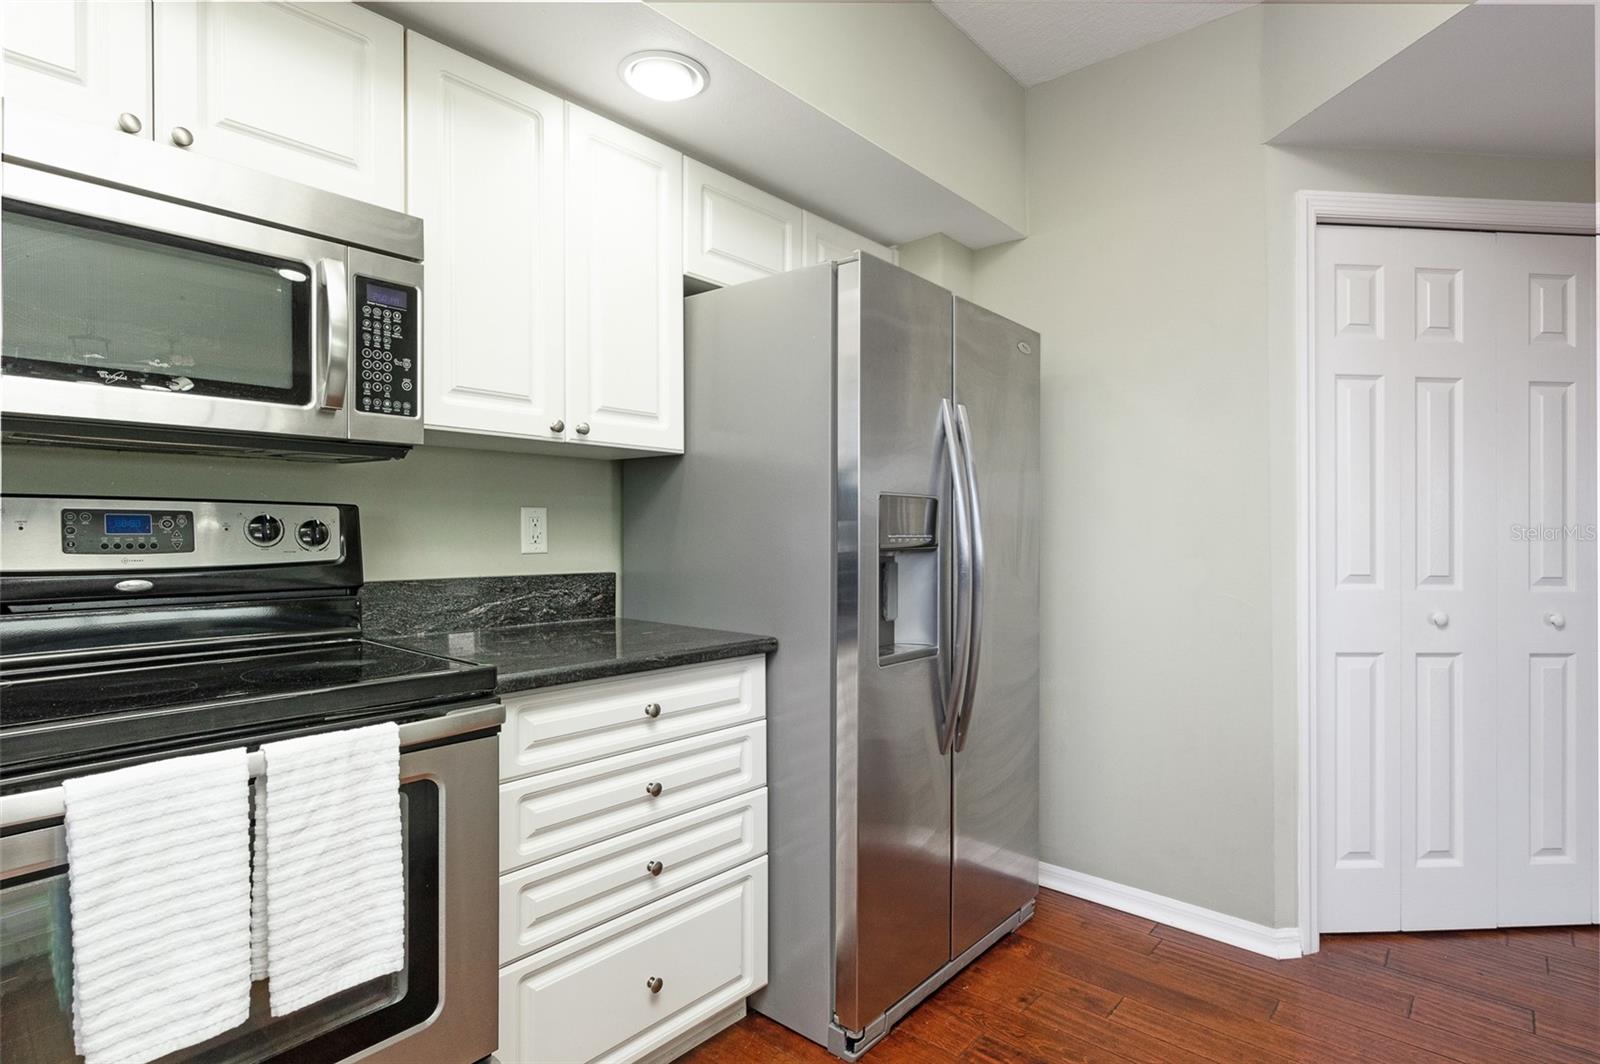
975 581
955 688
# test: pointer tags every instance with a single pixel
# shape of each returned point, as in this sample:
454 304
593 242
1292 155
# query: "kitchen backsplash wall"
462 604
440 512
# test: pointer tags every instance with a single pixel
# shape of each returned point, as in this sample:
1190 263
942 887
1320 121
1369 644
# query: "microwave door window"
130 308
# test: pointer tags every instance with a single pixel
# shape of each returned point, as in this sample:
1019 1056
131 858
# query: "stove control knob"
312 534
264 530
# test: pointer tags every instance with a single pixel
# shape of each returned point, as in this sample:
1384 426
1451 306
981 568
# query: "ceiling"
1038 40
1493 80
574 49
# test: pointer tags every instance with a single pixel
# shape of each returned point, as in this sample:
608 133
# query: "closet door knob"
654 983
654 868
1439 619
129 122
653 789
653 710
558 425
182 137
583 428
1555 620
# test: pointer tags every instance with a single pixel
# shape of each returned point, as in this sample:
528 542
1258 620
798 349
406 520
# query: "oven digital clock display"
128 524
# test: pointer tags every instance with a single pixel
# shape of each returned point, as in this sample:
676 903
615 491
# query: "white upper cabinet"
624 287
824 241
79 60
486 169
734 232
313 92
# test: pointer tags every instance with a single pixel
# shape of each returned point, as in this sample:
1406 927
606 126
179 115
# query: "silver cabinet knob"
583 428
654 868
1439 619
129 122
653 710
558 425
1555 620
654 983
653 789
182 137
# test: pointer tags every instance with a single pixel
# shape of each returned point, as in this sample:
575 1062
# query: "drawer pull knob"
653 710
654 983
654 868
653 789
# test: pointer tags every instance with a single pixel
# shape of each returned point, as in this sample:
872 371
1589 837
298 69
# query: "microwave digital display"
385 296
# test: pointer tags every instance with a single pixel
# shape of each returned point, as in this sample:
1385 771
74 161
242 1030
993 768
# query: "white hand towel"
328 867
158 866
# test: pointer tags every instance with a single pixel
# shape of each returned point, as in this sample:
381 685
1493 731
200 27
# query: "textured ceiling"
1037 40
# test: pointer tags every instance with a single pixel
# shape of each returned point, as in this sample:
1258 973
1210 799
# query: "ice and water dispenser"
908 577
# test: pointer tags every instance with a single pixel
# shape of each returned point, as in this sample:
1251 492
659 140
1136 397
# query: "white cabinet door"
79 60
313 92
485 158
1548 801
624 287
734 232
825 241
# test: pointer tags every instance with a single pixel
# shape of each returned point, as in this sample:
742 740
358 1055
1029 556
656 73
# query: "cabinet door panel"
826 241
79 60
313 92
494 325
624 287
734 232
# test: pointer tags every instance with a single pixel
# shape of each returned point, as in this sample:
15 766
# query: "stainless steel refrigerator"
861 480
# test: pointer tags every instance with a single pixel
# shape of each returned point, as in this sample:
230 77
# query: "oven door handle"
48 804
333 343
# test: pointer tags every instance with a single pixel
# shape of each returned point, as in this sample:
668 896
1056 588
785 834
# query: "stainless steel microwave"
154 299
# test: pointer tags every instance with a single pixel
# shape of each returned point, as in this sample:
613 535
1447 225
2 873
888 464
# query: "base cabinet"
633 841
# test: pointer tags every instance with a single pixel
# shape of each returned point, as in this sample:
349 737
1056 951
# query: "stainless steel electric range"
137 629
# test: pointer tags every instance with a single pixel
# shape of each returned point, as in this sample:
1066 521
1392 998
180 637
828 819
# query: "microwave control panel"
385 359
91 530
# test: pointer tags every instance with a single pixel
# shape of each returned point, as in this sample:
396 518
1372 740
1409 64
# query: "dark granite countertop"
544 655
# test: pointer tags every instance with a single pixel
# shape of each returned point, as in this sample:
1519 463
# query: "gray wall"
1159 271
439 512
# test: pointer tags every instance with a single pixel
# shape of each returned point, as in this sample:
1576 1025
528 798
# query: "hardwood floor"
1084 983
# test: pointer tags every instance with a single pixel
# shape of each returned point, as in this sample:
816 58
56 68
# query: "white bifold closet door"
1455 575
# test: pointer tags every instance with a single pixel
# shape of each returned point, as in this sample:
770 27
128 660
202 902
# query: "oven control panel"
386 372
41 535
91 530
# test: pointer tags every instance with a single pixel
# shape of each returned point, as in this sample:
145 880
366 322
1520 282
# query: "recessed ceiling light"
292 275
664 76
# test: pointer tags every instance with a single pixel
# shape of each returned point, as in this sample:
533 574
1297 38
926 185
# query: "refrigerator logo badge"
1025 347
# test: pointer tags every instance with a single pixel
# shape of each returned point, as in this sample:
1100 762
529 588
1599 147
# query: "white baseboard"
1279 943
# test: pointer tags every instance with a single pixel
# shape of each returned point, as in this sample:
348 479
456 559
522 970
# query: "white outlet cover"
535 530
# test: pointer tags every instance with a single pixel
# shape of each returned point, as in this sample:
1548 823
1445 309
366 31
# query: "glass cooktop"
70 715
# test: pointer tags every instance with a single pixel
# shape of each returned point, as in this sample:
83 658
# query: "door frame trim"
1313 208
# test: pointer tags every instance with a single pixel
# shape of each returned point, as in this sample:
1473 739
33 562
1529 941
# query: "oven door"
441 1007
126 308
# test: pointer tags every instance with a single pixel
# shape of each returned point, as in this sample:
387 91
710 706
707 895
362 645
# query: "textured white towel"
330 886
158 873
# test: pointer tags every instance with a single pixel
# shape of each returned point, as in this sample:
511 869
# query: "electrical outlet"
535 530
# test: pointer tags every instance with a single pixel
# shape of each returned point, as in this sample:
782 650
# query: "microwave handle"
333 346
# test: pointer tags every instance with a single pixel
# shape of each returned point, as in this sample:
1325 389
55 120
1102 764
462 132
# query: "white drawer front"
590 998
555 899
575 723
556 812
